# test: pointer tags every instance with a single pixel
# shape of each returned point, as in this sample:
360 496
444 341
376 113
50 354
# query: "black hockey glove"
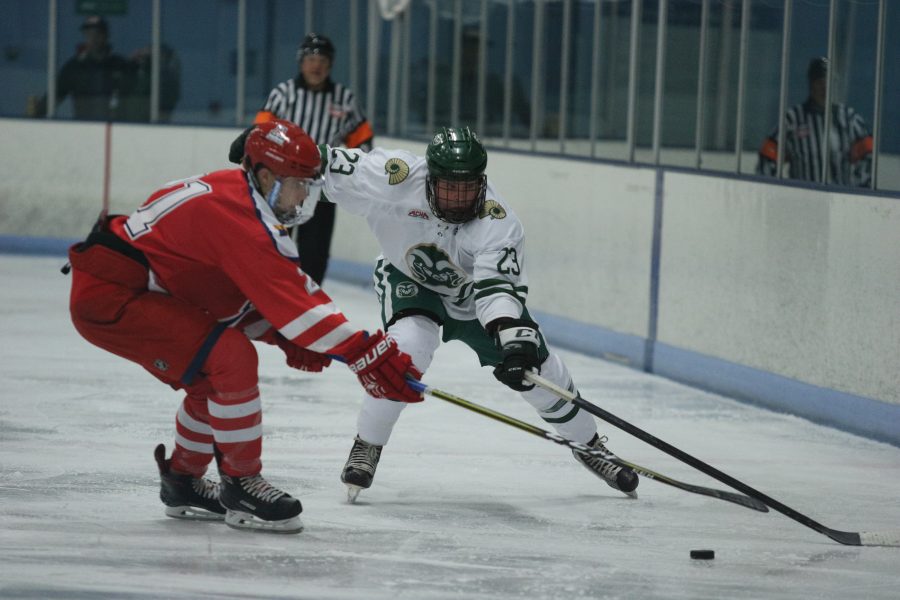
518 342
236 152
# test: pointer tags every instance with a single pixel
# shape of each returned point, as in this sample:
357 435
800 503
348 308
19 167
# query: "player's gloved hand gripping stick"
518 342
382 368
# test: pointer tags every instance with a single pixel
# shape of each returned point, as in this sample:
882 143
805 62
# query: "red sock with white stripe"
193 434
235 412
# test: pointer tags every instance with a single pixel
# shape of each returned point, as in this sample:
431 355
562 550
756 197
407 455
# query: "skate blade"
247 522
192 513
353 493
632 494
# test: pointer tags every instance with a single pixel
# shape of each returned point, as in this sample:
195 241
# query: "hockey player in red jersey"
184 284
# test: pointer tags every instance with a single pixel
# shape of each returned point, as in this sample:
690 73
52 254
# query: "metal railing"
388 82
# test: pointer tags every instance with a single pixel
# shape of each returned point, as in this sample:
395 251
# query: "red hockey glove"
301 358
382 367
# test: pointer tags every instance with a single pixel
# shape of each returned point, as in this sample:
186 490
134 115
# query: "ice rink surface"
462 506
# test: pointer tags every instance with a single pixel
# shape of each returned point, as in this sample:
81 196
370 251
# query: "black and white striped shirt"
330 116
850 147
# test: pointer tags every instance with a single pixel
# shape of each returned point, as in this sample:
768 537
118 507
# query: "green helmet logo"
456 183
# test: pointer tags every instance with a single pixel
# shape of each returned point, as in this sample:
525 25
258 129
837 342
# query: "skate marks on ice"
462 507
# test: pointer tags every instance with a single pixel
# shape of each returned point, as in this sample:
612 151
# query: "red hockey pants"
181 345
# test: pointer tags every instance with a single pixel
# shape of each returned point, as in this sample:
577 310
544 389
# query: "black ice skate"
360 467
254 503
620 478
185 496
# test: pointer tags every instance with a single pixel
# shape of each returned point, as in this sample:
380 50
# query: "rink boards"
788 296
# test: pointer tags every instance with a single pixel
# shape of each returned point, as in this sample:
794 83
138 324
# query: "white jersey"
477 267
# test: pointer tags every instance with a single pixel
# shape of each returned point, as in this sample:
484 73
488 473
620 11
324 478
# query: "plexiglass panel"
547 75
23 67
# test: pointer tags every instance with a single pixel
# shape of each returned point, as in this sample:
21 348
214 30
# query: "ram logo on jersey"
492 209
432 266
397 171
407 289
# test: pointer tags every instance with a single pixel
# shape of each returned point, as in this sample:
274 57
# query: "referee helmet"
315 43
818 68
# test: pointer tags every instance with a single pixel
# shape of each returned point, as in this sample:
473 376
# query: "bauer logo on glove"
371 356
382 368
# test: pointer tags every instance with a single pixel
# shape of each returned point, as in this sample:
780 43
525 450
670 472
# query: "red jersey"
213 241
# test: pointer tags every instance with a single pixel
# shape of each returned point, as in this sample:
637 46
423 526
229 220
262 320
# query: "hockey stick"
850 538
553 437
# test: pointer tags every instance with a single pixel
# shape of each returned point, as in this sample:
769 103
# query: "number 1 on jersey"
142 221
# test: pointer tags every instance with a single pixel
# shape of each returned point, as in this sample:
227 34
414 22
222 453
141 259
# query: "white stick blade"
880 538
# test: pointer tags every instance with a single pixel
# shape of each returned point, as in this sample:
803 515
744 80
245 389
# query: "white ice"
462 507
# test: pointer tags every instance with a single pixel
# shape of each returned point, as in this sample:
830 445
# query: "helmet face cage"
285 150
456 184
456 201
300 213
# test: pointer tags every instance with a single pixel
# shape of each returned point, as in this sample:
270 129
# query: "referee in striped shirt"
850 147
328 112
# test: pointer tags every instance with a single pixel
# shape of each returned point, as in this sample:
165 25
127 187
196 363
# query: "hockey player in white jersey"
452 260
452 268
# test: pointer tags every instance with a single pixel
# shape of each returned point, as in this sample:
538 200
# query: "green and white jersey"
477 268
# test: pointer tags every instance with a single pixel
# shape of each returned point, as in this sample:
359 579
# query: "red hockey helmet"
283 148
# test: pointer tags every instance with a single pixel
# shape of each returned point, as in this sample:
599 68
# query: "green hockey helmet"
456 184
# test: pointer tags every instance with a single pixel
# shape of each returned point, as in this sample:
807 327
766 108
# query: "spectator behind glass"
136 104
95 77
850 144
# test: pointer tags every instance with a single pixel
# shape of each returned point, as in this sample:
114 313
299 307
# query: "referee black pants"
314 241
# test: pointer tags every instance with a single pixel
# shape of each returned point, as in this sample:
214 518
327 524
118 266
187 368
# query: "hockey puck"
703 554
